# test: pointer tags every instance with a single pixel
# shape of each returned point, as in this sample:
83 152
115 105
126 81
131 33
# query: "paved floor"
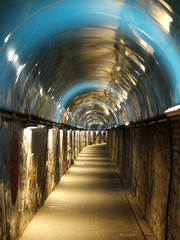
87 204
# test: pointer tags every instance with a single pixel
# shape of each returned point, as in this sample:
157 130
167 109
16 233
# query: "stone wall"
125 167
10 178
120 147
31 164
173 226
151 174
148 167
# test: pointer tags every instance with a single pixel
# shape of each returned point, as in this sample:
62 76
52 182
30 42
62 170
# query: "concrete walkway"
87 204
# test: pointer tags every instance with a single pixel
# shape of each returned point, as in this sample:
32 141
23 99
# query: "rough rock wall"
11 203
31 164
29 171
151 174
173 227
125 163
110 142
149 164
120 147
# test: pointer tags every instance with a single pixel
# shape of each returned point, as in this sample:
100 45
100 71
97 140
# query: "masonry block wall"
30 168
173 226
151 173
32 162
149 164
125 161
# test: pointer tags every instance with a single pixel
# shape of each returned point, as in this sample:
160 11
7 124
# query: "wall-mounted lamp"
31 126
127 123
173 111
40 126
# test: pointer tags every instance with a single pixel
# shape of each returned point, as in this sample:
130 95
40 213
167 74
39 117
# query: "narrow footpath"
87 204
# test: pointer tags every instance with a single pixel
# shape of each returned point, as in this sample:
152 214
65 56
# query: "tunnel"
79 78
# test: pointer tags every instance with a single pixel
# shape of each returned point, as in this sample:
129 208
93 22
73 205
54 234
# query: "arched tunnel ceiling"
92 64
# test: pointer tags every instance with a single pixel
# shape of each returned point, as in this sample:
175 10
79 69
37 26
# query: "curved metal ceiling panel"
86 62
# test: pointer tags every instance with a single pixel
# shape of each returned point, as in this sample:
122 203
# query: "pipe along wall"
32 162
146 158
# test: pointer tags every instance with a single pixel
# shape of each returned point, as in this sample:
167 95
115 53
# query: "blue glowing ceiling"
90 62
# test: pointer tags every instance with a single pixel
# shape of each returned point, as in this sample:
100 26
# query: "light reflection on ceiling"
92 64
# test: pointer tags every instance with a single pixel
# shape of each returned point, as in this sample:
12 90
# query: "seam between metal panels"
117 16
90 28
13 31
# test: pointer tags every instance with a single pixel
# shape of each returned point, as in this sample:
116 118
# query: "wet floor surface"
87 204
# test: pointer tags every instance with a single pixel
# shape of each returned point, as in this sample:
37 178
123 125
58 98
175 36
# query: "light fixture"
172 111
31 126
40 126
127 123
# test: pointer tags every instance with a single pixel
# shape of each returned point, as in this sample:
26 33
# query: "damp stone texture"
32 162
148 165
173 228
